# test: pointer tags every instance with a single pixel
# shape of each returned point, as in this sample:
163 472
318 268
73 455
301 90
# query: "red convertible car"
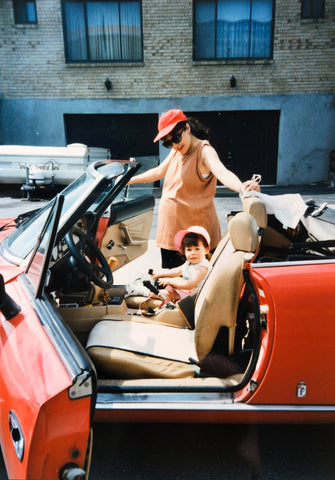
254 345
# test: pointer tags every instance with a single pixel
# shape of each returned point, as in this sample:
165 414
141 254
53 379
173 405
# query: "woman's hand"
252 184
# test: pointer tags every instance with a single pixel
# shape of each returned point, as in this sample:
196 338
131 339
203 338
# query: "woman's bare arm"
153 174
213 164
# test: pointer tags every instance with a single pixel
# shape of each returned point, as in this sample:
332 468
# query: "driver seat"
132 350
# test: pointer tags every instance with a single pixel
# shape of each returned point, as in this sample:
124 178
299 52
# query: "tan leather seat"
257 209
270 237
127 349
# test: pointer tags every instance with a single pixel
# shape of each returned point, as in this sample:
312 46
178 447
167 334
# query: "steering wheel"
95 271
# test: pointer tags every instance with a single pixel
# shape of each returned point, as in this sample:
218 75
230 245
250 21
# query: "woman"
191 171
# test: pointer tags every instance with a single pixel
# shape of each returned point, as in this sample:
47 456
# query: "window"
103 31
232 29
312 8
24 11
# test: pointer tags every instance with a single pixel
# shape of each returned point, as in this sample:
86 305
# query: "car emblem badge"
301 390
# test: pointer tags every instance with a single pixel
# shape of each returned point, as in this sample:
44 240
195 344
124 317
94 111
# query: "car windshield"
89 190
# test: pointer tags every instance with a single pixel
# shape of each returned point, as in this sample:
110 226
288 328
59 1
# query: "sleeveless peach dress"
187 199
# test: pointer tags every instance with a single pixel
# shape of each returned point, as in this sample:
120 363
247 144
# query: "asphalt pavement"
199 451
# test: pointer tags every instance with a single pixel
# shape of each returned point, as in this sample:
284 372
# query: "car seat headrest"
256 207
243 232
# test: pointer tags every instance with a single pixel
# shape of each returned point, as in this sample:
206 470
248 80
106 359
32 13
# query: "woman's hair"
197 128
193 239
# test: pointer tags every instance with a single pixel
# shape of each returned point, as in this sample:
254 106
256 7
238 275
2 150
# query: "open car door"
123 235
46 381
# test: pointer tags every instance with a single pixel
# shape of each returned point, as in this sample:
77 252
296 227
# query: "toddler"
188 278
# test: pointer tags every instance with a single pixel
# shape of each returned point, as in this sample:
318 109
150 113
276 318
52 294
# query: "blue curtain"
75 29
233 28
111 31
31 12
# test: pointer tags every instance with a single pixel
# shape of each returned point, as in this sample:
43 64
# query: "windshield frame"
93 191
38 266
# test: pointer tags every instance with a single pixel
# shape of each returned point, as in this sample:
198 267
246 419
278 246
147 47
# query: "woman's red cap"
168 121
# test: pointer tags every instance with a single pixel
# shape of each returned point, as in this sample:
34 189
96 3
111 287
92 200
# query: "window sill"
234 61
308 21
104 64
21 26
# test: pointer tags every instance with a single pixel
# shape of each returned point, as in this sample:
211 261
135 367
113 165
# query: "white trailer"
41 166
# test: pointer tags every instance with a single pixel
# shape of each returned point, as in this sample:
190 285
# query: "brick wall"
32 61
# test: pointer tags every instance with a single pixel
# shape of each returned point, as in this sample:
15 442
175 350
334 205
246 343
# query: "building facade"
259 73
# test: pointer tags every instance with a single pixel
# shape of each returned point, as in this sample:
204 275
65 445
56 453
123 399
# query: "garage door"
246 141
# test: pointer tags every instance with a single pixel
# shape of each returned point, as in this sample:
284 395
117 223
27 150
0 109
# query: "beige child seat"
132 350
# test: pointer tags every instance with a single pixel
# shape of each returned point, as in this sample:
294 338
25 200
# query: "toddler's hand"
163 281
155 275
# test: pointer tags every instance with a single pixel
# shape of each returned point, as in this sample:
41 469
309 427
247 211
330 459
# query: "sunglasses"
175 138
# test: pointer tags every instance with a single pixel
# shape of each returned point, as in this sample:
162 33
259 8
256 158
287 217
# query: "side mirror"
7 305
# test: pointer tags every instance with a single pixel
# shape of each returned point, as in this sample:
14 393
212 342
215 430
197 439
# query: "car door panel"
131 208
127 234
